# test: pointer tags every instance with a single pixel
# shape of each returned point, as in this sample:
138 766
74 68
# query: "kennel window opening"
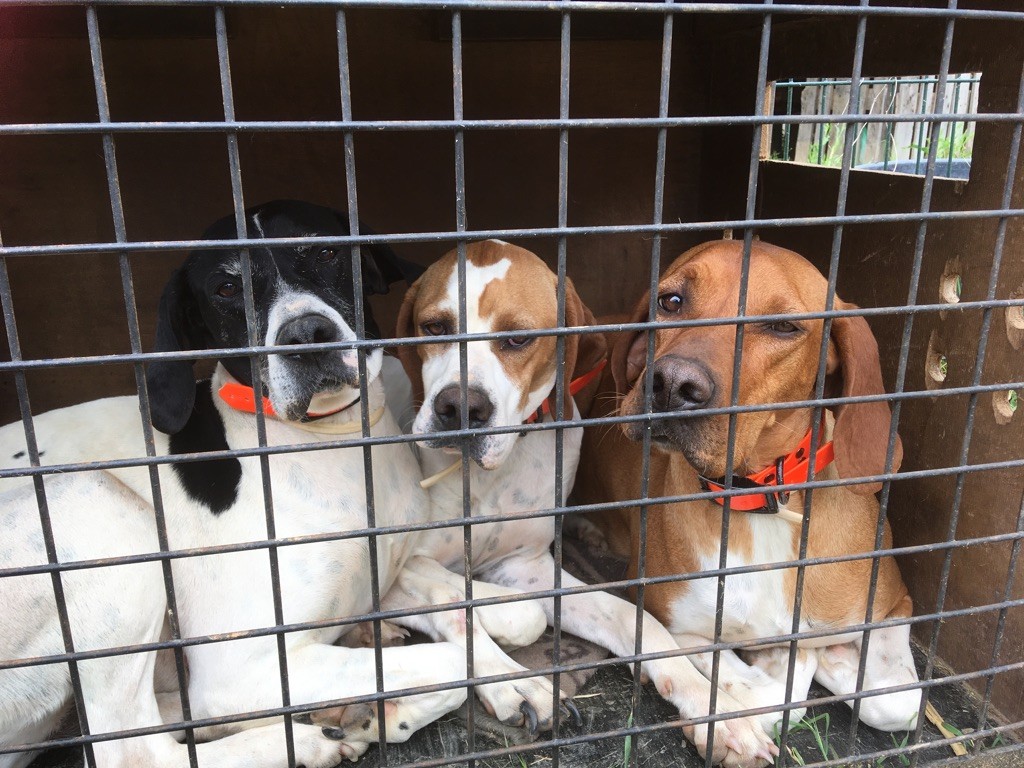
563 232
899 144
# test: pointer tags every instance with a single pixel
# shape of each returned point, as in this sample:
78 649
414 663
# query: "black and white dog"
302 295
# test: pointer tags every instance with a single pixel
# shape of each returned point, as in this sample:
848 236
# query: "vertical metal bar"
45 523
224 66
467 509
849 141
134 335
901 373
345 85
741 310
890 107
816 129
952 126
920 127
1011 575
561 375
823 127
789 126
979 363
652 313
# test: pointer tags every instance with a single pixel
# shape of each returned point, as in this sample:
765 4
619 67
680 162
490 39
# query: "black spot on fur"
19 455
213 483
403 726
366 725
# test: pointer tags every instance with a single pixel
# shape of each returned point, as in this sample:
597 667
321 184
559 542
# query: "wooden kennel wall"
161 65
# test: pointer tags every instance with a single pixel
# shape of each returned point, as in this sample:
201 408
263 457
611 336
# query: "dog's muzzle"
301 375
445 415
448 408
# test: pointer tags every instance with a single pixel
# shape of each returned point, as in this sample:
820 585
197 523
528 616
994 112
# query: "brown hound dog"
692 371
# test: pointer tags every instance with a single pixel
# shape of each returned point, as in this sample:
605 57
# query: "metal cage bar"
561 382
128 289
256 349
345 88
251 325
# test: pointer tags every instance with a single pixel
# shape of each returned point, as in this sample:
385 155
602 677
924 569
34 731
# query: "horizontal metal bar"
10 251
574 6
505 124
370 344
621 584
145 461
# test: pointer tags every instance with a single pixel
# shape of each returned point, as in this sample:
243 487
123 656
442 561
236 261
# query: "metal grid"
231 128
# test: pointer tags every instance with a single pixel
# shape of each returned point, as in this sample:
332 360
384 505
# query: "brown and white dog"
692 371
509 379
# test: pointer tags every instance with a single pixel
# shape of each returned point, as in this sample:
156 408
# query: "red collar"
791 468
242 398
575 386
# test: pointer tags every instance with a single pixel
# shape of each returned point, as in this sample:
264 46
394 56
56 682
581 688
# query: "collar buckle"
782 496
762 503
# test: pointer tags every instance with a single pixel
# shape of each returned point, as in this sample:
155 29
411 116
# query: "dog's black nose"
448 404
308 329
680 383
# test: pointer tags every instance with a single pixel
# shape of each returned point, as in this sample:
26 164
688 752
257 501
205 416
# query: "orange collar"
242 398
575 386
791 468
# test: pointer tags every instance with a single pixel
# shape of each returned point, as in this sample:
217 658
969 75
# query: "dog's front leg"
761 683
318 672
609 621
424 582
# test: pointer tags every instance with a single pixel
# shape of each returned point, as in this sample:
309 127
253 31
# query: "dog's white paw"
739 742
356 726
314 749
527 702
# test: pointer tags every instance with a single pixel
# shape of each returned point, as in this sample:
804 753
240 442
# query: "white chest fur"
756 604
525 482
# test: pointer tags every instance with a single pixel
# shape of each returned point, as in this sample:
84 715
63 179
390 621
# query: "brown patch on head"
777 366
523 298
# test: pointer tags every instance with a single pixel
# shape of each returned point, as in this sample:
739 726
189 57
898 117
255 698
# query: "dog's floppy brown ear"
861 432
410 355
582 352
629 351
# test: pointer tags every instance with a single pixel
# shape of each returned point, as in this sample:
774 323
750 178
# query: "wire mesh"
1004 213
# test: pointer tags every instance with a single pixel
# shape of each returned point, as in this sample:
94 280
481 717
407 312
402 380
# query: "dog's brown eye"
670 302
435 329
783 328
326 255
516 342
228 289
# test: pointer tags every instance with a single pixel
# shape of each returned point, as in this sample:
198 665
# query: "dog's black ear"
381 265
392 266
171 383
